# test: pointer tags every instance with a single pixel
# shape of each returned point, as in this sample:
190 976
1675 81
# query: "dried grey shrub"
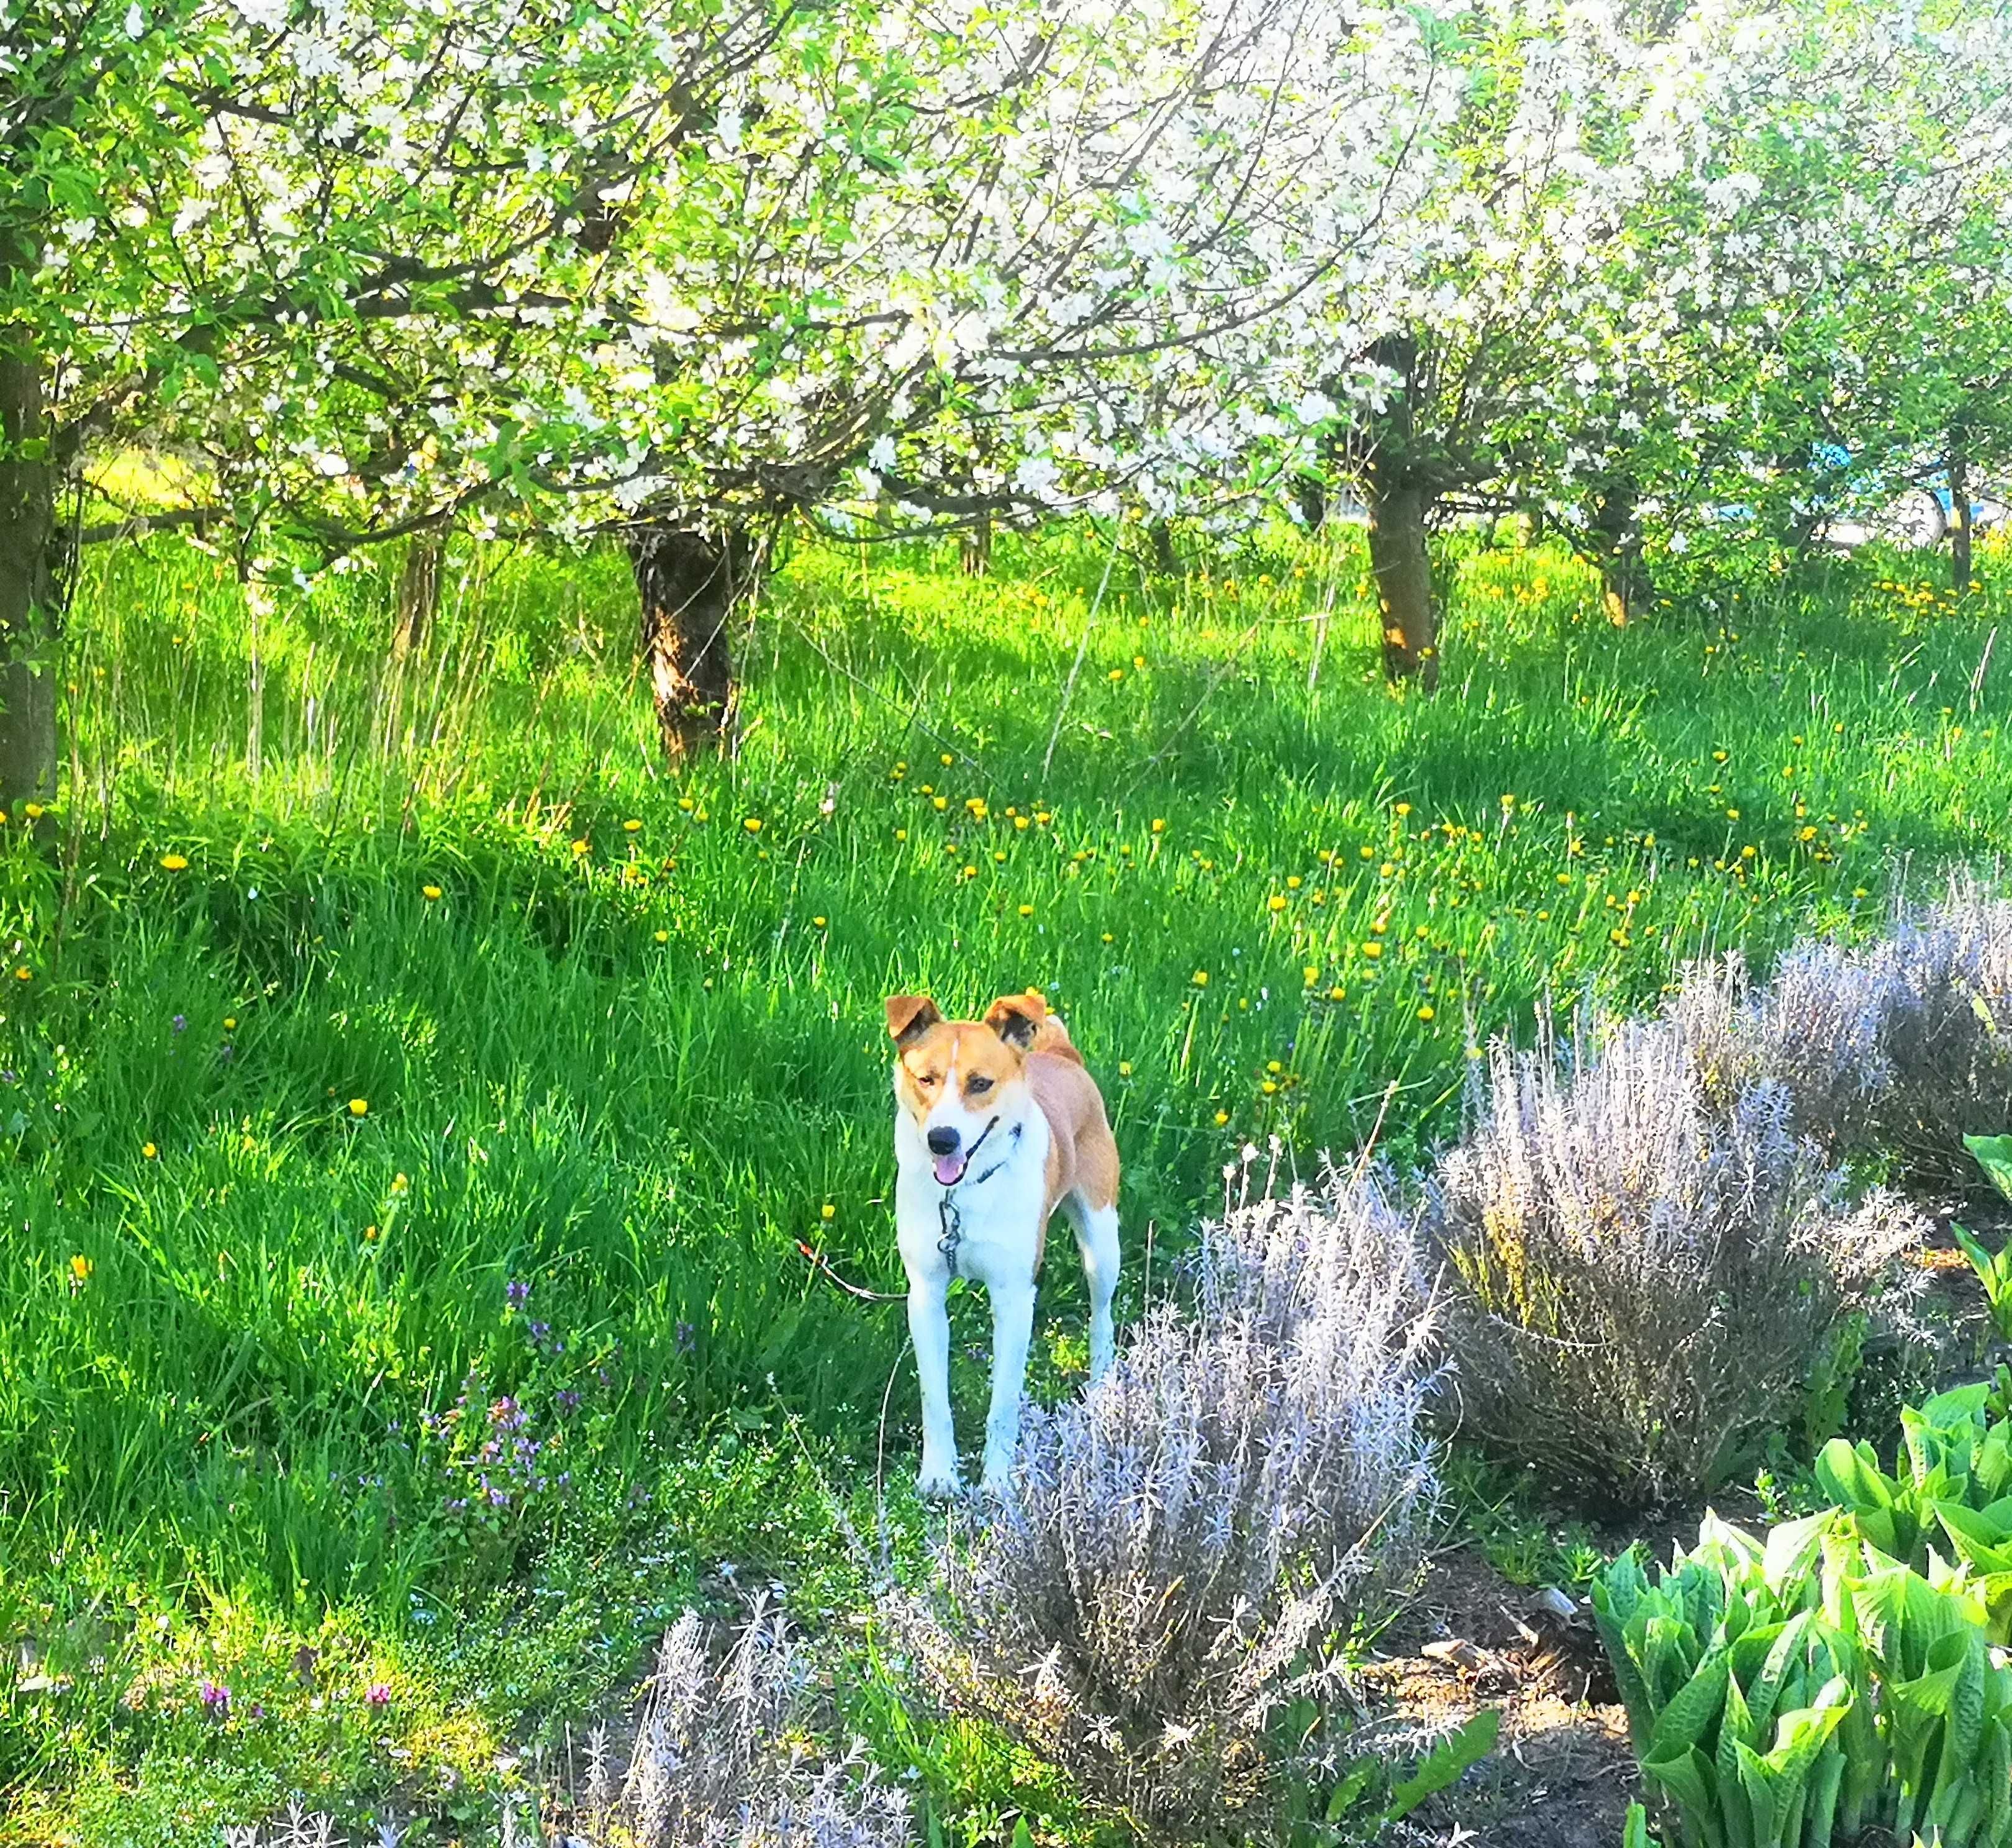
1252 1476
719 1761
1654 1262
1901 1045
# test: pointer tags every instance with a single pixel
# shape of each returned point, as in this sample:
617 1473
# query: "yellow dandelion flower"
753 823
1159 826
148 1151
970 872
1337 993
827 1212
1222 1117
900 834
399 1183
174 863
1124 1067
1276 902
662 937
430 893
230 1023
1200 978
1372 950
632 826
370 1234
1425 1011
359 1107
80 1267
1269 1087
947 760
685 803
579 849
819 923
23 973
1026 911
1312 974
940 802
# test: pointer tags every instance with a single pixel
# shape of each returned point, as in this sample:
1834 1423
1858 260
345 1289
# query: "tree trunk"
1962 558
1403 568
975 546
690 584
28 601
418 596
1166 561
1310 494
1626 587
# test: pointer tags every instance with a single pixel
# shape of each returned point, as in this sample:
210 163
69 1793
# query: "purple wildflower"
516 1292
568 1400
378 1693
688 1337
180 1023
216 1699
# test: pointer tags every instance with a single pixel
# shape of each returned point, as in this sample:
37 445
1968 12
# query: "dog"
999 1124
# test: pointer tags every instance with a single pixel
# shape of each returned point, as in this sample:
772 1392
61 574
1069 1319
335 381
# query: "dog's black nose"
943 1140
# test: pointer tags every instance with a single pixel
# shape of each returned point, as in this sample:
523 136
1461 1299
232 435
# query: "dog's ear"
1017 1018
910 1016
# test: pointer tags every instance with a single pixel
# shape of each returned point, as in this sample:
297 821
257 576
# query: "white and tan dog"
999 1125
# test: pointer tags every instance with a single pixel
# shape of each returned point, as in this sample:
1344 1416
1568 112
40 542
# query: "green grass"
284 1128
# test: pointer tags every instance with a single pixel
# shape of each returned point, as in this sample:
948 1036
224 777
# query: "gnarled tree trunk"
975 546
690 584
419 595
1962 556
1404 572
28 600
1626 587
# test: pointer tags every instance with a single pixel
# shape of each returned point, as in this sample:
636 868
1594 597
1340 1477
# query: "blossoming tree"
564 268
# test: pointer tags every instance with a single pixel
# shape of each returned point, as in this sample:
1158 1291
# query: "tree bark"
1166 561
1403 568
690 584
419 595
975 546
1626 587
28 600
1963 562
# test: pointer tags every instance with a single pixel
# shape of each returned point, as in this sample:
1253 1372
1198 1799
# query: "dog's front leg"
1012 1329
928 1329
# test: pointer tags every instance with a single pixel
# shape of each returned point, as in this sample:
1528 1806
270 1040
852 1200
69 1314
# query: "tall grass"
631 1066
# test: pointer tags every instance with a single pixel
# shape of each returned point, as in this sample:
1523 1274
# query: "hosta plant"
1993 1153
1812 1688
1949 1495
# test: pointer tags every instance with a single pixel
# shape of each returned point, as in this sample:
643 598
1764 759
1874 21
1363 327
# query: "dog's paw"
939 1485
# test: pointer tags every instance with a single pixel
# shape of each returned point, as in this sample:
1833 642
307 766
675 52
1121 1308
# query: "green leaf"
1993 1154
1448 1761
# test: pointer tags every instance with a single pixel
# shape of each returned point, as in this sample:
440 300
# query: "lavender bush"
1652 1272
1252 1475
719 1759
1899 1045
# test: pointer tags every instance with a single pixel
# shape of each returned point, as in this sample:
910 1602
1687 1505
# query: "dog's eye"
927 1079
977 1085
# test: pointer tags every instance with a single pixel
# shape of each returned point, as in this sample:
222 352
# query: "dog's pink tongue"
950 1170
